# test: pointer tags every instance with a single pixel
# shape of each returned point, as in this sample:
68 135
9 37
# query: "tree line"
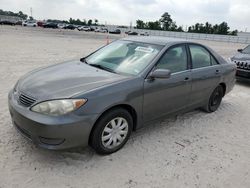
76 21
70 21
166 23
9 13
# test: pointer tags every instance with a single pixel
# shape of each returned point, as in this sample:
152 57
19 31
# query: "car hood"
241 56
65 80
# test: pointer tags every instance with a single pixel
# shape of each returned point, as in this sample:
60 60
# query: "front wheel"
215 99
112 131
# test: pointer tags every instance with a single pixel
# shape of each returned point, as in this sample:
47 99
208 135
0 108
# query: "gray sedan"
100 99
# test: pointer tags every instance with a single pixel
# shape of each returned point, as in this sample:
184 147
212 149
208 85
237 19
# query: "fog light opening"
51 141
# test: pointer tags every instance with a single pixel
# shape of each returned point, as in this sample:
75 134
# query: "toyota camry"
101 98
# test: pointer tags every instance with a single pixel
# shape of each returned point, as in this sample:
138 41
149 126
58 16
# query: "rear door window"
201 57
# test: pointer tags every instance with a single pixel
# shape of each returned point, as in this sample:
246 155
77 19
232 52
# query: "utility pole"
31 12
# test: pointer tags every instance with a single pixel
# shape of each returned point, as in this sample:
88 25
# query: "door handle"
217 72
186 79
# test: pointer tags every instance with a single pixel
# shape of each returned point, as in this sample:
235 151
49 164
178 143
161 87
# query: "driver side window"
175 59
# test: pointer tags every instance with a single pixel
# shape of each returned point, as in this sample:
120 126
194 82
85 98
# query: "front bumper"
50 132
242 74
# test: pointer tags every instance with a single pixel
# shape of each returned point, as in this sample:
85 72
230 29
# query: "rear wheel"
111 131
215 99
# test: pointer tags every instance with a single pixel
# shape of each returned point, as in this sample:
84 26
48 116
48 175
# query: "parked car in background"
101 98
30 23
40 23
102 30
69 26
61 25
19 23
50 25
116 31
93 28
132 33
242 61
144 34
7 22
84 28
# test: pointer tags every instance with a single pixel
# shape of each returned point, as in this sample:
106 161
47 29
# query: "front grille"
242 65
26 100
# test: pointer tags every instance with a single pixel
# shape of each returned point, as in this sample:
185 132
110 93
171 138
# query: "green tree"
31 18
153 25
223 28
166 21
140 24
90 22
71 21
96 22
22 15
180 29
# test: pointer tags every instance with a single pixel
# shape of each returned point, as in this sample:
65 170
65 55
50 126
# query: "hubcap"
216 98
114 132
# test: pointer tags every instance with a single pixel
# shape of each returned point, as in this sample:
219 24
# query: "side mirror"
160 73
240 50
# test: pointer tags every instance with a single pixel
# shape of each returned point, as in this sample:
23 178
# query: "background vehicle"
61 25
30 23
132 33
144 34
93 28
116 31
69 26
101 30
50 25
99 100
84 28
40 23
242 61
7 22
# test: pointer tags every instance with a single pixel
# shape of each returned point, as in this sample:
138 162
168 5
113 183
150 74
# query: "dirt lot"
191 150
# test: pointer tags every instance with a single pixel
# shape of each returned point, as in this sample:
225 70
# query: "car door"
164 96
206 73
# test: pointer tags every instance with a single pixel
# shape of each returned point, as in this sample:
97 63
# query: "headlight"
58 107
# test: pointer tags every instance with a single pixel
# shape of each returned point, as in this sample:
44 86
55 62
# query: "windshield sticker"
144 49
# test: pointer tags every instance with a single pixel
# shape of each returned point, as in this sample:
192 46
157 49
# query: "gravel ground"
191 150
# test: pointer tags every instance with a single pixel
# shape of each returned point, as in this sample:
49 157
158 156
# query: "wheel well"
127 107
224 88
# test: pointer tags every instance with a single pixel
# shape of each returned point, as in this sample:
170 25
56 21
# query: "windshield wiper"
101 67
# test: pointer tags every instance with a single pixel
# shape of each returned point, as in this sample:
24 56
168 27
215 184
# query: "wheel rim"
114 133
216 98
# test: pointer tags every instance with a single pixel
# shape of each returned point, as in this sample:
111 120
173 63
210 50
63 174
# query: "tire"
214 100
107 138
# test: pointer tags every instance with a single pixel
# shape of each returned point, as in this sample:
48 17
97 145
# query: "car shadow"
89 156
245 83
149 129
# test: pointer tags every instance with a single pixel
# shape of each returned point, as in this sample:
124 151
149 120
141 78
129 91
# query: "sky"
121 12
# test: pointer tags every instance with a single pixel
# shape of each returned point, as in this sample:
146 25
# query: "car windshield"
246 50
124 57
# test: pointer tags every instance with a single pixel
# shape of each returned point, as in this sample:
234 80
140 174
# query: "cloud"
185 12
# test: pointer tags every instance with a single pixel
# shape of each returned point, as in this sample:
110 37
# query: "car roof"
156 40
